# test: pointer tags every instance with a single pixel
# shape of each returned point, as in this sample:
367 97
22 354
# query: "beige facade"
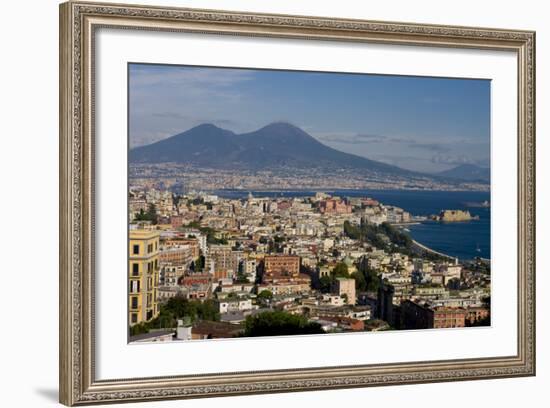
143 275
345 286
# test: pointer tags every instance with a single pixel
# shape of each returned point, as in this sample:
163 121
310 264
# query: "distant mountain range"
467 172
275 146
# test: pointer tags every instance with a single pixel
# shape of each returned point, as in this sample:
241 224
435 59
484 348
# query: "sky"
418 123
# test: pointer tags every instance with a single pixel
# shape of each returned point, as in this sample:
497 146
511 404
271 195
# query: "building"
281 267
177 255
153 337
196 286
193 243
143 275
455 215
222 262
234 305
215 330
334 206
345 287
286 288
248 268
422 315
344 323
177 221
384 303
475 314
169 274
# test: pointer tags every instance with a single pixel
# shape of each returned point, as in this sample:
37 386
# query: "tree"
380 236
325 283
192 224
265 295
150 215
485 321
340 270
198 264
241 278
366 278
278 323
179 307
360 281
139 328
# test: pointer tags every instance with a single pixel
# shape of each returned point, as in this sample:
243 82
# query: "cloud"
166 100
432 147
456 160
354 138
369 138
153 75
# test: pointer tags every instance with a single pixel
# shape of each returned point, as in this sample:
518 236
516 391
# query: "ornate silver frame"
78 22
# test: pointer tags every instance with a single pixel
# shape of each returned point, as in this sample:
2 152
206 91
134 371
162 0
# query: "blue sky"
424 124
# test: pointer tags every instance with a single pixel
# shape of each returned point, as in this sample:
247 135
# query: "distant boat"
475 204
478 249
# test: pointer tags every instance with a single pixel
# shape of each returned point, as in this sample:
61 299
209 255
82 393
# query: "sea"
464 240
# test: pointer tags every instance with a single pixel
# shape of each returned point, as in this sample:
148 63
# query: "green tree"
241 278
198 264
265 295
139 328
278 323
370 277
360 281
325 283
340 270
179 307
150 215
380 236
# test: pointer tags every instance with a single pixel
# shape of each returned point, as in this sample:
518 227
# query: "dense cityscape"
203 178
203 267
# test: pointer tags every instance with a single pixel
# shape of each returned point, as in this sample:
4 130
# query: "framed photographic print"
258 203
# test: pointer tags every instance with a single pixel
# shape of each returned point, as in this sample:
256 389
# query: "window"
134 318
135 250
135 269
134 302
134 286
149 248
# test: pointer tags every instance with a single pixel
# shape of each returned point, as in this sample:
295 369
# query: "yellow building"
143 275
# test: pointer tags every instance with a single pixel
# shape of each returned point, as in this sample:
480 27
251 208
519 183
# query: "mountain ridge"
277 144
467 172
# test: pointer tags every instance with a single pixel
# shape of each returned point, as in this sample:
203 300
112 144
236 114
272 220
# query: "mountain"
273 146
200 145
467 172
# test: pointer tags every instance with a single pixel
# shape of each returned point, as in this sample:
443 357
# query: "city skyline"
441 124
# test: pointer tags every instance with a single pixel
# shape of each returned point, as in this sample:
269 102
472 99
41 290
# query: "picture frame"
79 22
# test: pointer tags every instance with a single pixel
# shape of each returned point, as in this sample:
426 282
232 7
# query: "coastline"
422 247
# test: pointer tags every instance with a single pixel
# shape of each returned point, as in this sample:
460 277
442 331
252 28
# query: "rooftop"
143 234
151 335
